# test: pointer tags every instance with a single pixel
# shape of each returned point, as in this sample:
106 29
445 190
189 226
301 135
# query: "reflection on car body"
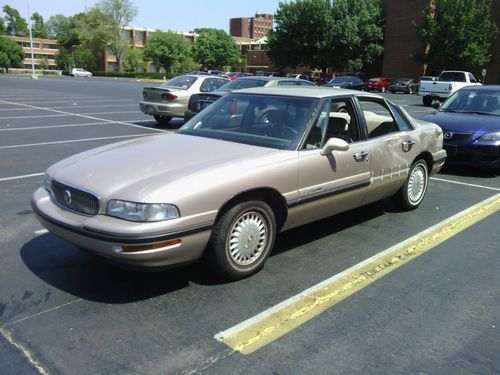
255 163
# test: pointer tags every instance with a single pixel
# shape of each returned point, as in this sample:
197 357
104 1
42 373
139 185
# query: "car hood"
463 122
135 170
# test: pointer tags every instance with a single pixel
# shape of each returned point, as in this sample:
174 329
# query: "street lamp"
33 75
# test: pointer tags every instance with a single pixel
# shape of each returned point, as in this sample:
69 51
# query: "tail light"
168 96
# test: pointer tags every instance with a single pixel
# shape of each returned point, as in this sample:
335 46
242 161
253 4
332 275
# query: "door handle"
360 156
407 145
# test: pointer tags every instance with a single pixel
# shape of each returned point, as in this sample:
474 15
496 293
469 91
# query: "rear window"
242 83
181 82
452 76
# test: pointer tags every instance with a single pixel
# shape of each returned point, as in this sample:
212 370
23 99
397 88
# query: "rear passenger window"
378 118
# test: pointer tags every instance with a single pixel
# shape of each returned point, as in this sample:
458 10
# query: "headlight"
490 137
142 211
47 182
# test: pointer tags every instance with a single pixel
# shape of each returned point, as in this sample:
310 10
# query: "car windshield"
341 80
181 82
480 102
262 120
242 83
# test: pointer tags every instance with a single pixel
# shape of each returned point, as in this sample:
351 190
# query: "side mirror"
436 105
334 144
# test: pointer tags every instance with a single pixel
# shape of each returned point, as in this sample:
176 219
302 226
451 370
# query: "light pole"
33 75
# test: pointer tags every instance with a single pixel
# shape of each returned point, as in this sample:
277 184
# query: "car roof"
305 91
491 88
267 78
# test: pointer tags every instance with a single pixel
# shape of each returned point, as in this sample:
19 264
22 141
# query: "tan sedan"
171 98
255 163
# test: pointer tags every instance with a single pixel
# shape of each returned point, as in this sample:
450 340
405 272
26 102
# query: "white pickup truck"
447 83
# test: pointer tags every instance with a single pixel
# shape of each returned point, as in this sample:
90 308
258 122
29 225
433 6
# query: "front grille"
75 199
456 136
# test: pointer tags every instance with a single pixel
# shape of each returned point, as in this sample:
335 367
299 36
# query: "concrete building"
255 27
43 50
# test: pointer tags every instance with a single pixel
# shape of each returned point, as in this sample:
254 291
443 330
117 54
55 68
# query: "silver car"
255 163
171 98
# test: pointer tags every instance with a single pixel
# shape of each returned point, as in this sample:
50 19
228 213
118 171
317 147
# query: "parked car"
380 84
198 102
427 78
234 75
171 98
78 72
406 85
447 83
297 76
256 163
470 119
346 82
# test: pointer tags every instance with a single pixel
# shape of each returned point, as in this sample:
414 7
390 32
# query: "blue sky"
178 15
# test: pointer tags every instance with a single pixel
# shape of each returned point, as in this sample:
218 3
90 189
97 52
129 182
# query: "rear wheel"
164 120
413 191
242 240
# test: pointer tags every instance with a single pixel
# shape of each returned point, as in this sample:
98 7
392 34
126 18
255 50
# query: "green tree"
11 54
459 36
15 24
104 23
38 28
44 64
215 48
133 60
341 34
83 57
357 34
64 59
302 34
64 29
3 30
166 49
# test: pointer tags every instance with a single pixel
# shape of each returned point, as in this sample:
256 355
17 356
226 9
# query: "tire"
242 240
410 91
427 100
413 191
164 120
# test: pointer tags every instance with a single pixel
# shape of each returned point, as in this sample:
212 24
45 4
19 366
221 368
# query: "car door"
390 139
338 181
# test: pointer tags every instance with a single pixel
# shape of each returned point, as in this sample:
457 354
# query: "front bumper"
172 247
171 109
474 155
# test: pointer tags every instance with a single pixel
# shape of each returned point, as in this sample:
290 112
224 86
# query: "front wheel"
413 191
164 120
242 240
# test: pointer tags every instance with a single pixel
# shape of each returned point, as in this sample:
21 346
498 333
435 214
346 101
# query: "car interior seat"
338 127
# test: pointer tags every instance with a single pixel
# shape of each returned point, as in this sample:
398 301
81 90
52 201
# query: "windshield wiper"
448 110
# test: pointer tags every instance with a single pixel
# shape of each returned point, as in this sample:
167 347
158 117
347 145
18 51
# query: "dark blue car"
470 119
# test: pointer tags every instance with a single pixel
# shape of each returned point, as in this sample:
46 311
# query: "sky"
177 15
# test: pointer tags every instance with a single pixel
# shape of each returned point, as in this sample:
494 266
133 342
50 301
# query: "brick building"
43 50
255 27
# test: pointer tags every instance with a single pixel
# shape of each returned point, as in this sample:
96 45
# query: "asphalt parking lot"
64 312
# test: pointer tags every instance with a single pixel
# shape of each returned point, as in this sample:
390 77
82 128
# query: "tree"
14 23
64 59
44 64
11 54
165 49
357 34
133 60
457 34
3 30
215 48
38 28
302 34
83 57
104 23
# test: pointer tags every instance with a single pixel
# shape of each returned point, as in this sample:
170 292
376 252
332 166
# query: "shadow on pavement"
465 171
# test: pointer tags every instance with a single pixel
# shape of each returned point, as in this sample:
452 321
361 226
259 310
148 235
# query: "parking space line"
69 100
74 141
86 116
21 177
110 113
72 106
34 116
260 330
56 126
465 184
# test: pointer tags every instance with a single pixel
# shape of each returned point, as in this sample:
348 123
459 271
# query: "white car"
77 72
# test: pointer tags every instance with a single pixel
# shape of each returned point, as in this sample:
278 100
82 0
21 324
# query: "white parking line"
67 100
41 231
21 177
84 116
75 105
73 141
37 116
465 184
110 113
56 126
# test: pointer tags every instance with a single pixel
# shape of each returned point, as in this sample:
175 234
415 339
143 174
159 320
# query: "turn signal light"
154 246
168 96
